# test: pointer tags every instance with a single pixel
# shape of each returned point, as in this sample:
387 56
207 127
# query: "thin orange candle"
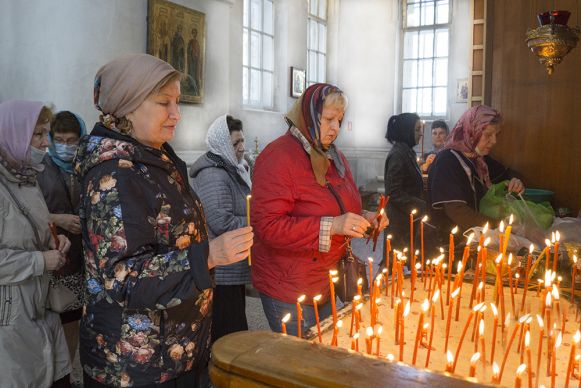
368 339
450 308
450 261
406 312
424 220
528 352
413 212
449 361
510 283
462 264
300 300
378 336
554 359
517 280
540 347
370 264
570 367
285 319
494 329
481 339
425 307
433 318
519 371
358 316
336 333
512 337
354 341
507 235
495 373
316 300
547 253
527 275
573 277
501 237
556 253
473 361
472 312
332 279
360 287
248 223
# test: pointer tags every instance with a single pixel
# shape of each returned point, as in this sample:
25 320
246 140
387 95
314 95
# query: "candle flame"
501 227
405 250
527 338
509 258
369 331
510 219
494 309
517 275
418 266
531 249
333 272
389 236
435 296
524 318
557 236
454 230
486 241
317 298
459 267
441 250
359 281
426 325
548 300
575 259
286 318
425 305
370 259
478 248
425 219
478 307
417 252
335 279
301 298
520 370
381 211
357 298
483 308
406 310
356 336
358 307
552 237
379 330
547 242
339 324
377 300
481 327
480 286
384 271
507 319
548 278
378 279
540 321
248 196
485 229
475 357
577 336
555 292
390 357
559 340
495 370
414 211
450 357
470 238
498 259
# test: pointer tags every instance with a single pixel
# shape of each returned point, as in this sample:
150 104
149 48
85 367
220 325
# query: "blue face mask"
65 152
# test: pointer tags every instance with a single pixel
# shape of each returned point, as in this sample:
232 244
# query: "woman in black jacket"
403 178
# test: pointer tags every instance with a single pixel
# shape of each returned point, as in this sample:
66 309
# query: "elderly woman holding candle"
463 171
147 314
304 205
403 178
32 342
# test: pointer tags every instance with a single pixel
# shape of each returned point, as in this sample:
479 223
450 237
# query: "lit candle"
425 307
358 315
316 300
368 339
556 297
547 253
476 308
495 372
556 253
499 286
540 347
370 264
510 282
519 371
570 366
554 359
473 361
573 277
300 314
462 266
424 220
385 279
516 279
527 275
415 266
396 320
334 340
248 223
528 351
501 237
284 321
449 361
406 312
387 251
482 339
360 287
507 235
354 341
450 261
512 337
378 336
413 212
494 329
433 317
332 279
450 308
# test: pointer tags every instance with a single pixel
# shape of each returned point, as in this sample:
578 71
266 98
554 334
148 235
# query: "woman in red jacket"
299 227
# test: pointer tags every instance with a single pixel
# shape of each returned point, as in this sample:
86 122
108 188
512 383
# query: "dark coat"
405 188
147 314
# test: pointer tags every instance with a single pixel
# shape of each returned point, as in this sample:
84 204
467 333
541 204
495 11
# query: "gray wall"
52 49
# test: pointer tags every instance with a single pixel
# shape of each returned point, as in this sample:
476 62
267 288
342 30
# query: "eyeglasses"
66 141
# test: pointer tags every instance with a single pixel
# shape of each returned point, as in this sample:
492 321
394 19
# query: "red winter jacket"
287 206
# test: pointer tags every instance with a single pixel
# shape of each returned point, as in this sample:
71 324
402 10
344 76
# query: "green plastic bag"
497 203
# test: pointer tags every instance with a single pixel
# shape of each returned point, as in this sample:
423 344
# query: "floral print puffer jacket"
148 288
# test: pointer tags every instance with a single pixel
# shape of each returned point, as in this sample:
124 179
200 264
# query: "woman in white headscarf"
222 181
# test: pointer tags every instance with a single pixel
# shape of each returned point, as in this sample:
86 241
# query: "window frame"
249 29
319 21
433 28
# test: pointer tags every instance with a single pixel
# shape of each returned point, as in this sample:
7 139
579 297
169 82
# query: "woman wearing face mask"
34 351
61 192
403 178
222 180
463 171
299 180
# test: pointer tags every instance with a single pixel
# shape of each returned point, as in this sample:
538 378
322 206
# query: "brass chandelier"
553 39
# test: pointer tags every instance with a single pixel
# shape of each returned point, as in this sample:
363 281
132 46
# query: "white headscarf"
219 142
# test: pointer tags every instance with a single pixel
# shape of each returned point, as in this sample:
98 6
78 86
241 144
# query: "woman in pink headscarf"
463 171
34 351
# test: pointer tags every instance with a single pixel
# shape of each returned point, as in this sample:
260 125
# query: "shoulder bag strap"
24 211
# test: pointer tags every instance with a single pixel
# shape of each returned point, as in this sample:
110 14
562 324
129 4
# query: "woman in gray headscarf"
32 343
222 180
148 301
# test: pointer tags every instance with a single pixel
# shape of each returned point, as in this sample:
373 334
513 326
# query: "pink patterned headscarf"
17 121
467 133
